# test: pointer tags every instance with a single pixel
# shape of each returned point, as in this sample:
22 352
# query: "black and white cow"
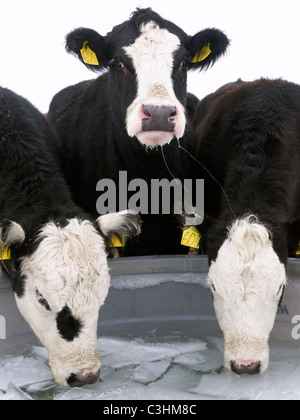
58 254
248 138
121 120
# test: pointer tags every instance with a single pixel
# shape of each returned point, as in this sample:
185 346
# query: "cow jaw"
247 280
69 272
153 59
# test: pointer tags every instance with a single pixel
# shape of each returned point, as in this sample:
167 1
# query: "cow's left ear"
206 47
89 47
125 224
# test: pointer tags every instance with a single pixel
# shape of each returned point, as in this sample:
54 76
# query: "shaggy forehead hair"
247 258
67 263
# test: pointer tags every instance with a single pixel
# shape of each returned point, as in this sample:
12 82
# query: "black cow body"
34 192
93 147
248 137
110 124
58 254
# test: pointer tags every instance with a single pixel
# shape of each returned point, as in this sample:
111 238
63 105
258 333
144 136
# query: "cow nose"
88 377
159 118
248 367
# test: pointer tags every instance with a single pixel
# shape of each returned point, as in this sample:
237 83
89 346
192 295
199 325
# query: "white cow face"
247 280
148 58
156 115
66 281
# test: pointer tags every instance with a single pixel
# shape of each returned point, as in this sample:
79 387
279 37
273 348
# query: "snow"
142 281
155 366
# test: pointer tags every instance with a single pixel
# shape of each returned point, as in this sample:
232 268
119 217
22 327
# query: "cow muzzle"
87 377
248 367
156 122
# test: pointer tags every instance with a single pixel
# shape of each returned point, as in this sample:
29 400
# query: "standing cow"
248 138
58 260
121 120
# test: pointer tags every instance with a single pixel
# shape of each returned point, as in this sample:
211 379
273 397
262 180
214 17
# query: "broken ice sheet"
13 393
148 372
118 353
164 366
26 369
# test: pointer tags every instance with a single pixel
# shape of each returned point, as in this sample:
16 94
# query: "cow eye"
183 65
120 65
42 301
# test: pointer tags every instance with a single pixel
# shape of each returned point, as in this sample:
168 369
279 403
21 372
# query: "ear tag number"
88 56
191 238
203 54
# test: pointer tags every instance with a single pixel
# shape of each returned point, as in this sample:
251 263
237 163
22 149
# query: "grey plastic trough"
147 293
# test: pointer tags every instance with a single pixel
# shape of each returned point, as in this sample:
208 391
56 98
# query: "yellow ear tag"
298 250
88 56
201 55
191 238
5 254
115 242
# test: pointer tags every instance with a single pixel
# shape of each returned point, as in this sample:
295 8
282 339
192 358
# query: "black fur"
248 137
33 191
90 121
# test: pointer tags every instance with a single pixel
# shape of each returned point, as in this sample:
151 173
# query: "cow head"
247 281
148 58
61 286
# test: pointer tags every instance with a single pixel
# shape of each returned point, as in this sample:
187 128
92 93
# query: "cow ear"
206 47
123 225
89 47
11 234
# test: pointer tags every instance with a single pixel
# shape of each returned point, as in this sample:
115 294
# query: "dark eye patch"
68 326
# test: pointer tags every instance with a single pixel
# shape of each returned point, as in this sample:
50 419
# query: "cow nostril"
248 368
173 115
147 114
146 111
77 380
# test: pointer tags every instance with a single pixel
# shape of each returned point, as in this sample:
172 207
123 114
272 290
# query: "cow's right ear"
124 225
11 234
89 47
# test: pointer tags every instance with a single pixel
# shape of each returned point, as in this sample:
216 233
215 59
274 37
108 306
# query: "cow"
55 253
247 139
127 118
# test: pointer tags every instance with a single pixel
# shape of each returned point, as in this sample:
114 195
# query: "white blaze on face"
247 281
68 269
152 55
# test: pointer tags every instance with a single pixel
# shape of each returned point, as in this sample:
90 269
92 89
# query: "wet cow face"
65 282
148 58
247 280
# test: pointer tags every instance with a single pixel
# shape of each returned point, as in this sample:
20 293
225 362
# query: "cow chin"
154 139
246 352
63 368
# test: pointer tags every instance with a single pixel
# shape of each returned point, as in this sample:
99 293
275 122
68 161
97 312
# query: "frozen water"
170 366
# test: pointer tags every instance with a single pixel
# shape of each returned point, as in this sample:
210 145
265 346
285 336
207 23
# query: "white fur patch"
245 280
126 222
69 268
152 54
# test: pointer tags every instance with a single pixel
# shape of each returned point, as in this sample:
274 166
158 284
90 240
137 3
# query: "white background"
264 34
